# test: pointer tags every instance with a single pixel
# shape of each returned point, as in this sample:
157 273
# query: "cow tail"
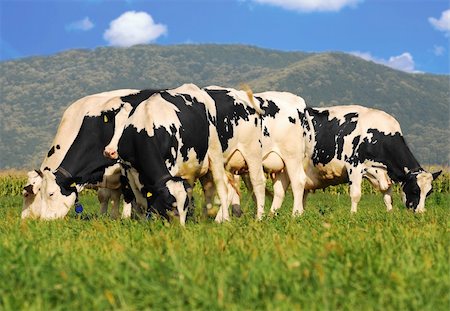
310 138
251 98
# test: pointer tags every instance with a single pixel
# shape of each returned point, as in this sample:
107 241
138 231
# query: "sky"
407 35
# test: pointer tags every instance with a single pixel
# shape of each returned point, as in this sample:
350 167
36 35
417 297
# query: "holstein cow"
239 128
350 143
168 142
76 155
282 151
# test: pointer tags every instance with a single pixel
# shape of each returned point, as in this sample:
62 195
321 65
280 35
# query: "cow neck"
400 161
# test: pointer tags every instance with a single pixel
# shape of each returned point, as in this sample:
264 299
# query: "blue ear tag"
78 208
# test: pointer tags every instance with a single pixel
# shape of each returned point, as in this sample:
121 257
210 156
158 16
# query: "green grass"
327 259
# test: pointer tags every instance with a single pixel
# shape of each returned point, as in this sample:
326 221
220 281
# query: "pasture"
327 259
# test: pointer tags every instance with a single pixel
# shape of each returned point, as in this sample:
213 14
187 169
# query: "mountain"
35 91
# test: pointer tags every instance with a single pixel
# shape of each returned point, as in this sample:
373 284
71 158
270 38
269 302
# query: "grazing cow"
350 143
76 155
168 142
239 129
282 152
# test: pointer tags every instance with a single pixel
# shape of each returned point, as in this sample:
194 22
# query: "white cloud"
132 28
438 50
84 25
443 23
403 62
311 5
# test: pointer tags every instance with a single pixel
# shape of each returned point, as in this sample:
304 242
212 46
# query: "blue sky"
409 35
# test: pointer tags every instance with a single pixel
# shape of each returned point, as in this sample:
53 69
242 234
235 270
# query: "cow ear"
436 175
28 189
39 173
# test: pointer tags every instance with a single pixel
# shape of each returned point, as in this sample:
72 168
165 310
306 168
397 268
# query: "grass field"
327 259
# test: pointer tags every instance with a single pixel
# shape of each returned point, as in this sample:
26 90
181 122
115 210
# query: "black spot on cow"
187 115
292 120
269 107
229 115
51 152
84 160
266 132
389 149
330 134
135 99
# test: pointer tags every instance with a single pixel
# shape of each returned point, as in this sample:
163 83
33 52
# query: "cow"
168 142
239 128
75 158
282 152
348 143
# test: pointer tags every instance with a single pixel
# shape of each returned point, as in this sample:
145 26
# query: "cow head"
416 188
51 201
31 189
175 197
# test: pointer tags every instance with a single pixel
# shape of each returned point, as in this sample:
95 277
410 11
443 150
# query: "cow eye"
51 194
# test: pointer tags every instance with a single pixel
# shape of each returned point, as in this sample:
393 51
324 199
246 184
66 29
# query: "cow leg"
297 177
222 214
280 185
235 197
258 181
355 180
103 196
126 210
305 196
115 201
387 197
209 190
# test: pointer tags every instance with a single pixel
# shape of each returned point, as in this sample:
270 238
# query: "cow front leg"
126 210
235 196
209 192
387 198
355 188
115 202
103 196
280 184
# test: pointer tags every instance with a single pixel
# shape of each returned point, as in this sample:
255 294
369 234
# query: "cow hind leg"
280 184
297 177
258 182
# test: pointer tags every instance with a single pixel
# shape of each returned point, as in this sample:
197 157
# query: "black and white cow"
76 155
239 128
282 152
168 142
350 143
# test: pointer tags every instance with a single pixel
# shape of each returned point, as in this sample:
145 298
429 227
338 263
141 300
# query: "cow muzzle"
111 153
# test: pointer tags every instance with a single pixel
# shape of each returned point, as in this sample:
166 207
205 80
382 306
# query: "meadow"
327 259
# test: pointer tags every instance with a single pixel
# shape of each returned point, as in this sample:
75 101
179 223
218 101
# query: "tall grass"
327 259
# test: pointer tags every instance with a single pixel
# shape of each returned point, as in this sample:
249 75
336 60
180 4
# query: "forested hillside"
35 91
